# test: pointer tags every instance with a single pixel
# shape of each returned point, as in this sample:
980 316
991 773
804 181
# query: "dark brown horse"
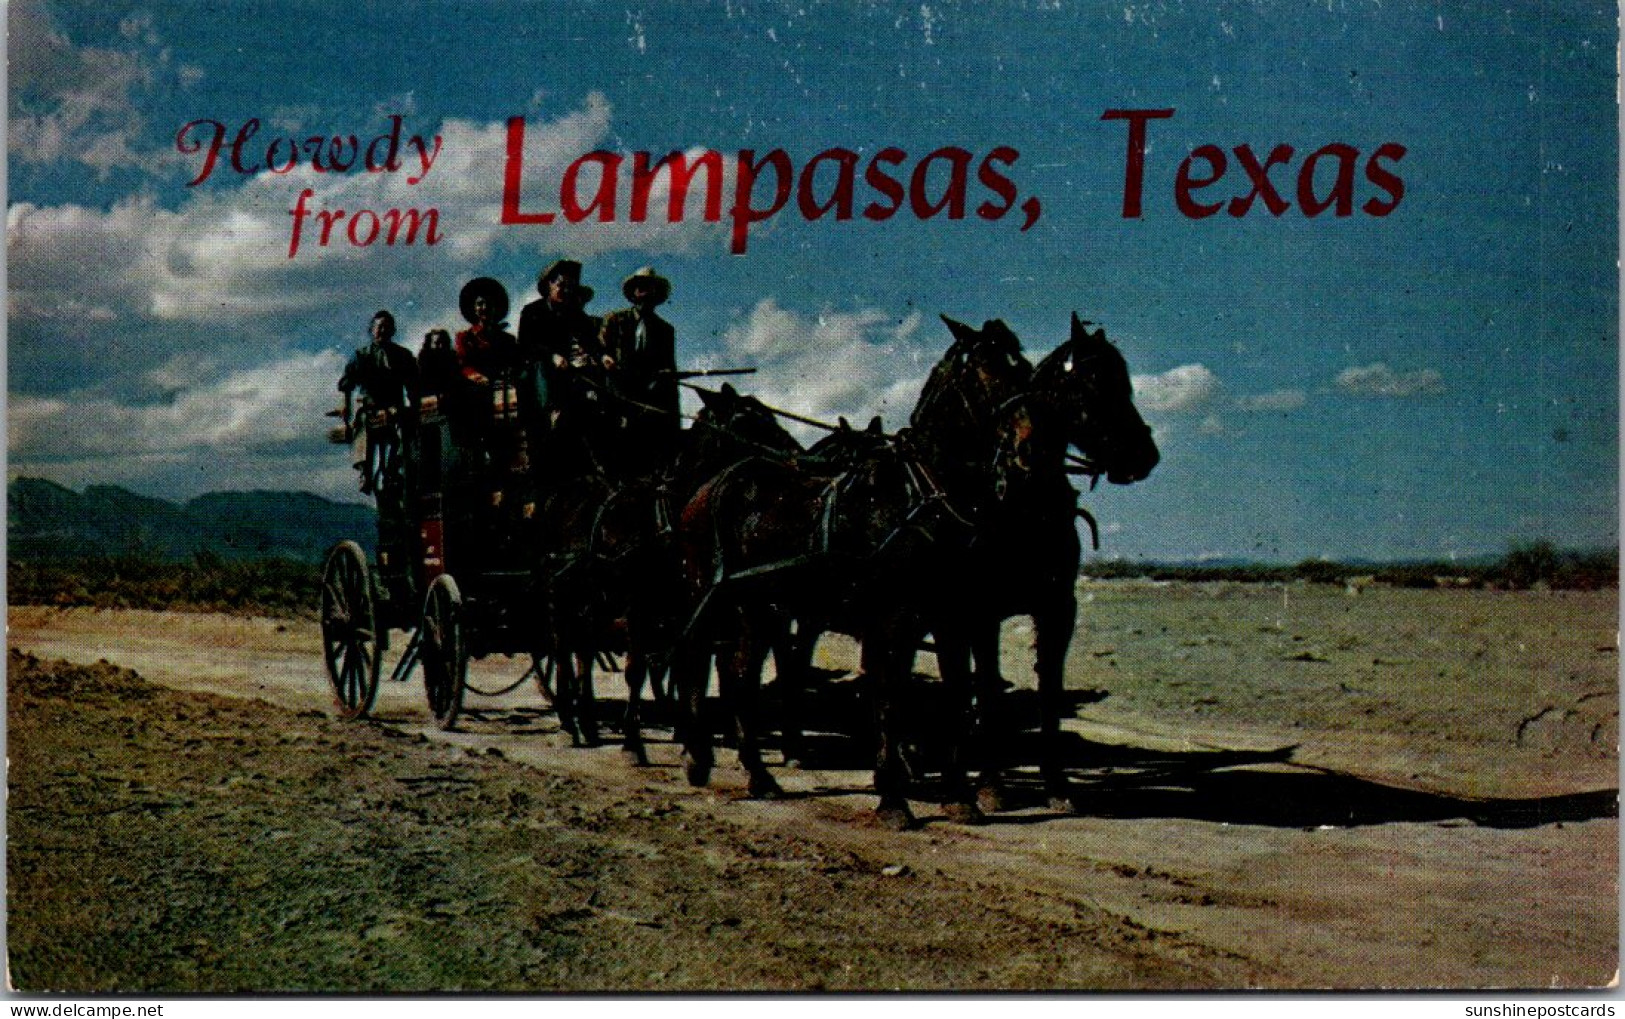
996 432
841 540
610 576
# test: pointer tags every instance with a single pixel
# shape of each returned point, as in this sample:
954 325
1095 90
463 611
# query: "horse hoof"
964 813
895 818
763 787
697 773
990 799
793 763
1061 801
634 757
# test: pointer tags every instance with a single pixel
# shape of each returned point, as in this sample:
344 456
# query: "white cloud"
76 103
115 307
1275 400
223 256
1380 380
850 364
1185 389
242 411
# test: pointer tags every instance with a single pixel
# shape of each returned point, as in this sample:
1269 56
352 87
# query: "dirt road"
1282 787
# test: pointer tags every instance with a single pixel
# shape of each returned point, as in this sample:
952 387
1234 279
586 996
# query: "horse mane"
1082 344
984 367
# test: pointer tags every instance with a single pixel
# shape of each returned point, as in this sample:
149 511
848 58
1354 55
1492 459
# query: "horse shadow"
1114 781
1265 788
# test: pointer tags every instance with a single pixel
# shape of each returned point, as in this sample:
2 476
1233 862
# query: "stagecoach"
453 564
760 539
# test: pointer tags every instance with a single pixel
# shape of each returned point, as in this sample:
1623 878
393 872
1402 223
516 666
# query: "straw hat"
647 274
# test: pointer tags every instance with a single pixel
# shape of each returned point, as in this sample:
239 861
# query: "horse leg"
988 720
1053 628
740 672
888 672
657 687
690 675
953 664
662 688
545 669
587 700
637 669
564 694
792 656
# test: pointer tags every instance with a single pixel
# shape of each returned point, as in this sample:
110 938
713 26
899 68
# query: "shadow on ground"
1110 780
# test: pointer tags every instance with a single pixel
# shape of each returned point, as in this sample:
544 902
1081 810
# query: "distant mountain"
45 521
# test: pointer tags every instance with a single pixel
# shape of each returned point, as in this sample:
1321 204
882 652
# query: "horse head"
846 445
1084 383
988 358
742 422
729 427
958 410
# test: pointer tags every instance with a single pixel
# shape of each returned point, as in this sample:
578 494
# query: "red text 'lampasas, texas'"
948 182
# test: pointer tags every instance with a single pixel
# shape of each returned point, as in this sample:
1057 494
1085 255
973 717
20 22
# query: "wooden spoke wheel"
442 652
350 644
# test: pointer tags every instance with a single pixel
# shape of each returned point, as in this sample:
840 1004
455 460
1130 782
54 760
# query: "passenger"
486 350
439 372
387 376
556 330
489 356
557 334
640 361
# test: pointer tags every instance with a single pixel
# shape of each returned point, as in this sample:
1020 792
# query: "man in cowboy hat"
556 331
387 375
640 359
559 338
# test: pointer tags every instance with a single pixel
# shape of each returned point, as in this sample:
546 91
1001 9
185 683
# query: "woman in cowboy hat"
485 349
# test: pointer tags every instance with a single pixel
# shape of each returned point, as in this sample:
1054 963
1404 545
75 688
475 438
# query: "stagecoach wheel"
441 650
350 644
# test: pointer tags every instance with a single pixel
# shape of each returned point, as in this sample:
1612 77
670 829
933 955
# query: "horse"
832 541
610 575
995 431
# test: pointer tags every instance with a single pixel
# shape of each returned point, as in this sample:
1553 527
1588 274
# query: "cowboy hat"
494 293
647 274
563 267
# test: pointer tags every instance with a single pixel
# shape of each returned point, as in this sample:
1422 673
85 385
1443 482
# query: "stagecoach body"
455 563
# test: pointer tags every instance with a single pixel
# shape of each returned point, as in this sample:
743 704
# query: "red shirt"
487 350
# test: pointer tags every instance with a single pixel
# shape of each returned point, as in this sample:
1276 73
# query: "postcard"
557 497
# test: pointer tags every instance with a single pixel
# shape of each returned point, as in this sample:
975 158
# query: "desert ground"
1280 786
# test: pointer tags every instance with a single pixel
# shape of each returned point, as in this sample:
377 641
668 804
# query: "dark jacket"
386 374
543 333
637 370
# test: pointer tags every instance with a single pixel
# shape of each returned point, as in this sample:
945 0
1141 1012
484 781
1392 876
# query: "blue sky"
1440 381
